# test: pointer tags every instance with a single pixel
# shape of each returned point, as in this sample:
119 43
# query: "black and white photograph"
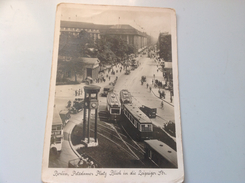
113 109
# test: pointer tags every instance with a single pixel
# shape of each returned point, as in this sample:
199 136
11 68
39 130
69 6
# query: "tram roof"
137 113
56 118
164 150
113 99
125 94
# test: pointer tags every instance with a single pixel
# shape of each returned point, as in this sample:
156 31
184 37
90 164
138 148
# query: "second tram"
125 97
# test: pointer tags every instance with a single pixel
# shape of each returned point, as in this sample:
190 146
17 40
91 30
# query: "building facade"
74 28
96 31
165 47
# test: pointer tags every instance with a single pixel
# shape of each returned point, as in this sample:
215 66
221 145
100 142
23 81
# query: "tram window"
58 140
146 128
150 154
135 122
115 111
150 127
138 126
57 132
143 128
92 95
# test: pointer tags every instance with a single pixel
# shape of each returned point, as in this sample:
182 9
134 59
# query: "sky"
149 21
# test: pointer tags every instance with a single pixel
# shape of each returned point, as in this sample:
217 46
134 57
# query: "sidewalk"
159 77
167 95
64 93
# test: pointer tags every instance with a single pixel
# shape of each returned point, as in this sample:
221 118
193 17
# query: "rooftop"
104 29
138 114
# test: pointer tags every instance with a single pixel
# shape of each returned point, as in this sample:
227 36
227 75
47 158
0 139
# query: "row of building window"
76 29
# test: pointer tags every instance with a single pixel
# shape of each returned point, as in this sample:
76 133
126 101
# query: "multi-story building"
128 33
74 28
164 46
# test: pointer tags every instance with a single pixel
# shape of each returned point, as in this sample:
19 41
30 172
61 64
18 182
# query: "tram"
125 97
56 134
136 123
161 154
113 107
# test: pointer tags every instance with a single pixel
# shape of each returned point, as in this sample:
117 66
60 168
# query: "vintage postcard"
113 111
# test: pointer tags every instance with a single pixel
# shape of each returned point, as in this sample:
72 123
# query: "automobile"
88 80
127 72
107 89
65 116
150 112
170 127
134 66
78 104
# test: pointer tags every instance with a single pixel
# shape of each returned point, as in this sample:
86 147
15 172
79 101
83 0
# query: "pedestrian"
162 105
163 94
68 104
75 92
147 85
150 88
171 96
160 94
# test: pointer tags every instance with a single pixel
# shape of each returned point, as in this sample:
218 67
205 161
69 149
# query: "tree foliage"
104 53
109 49
119 46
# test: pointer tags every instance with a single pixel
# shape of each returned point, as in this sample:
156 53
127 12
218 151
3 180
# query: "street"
114 142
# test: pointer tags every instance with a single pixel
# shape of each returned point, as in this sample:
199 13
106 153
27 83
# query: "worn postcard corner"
113 111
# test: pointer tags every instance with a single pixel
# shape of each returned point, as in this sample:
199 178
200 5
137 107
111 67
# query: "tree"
85 42
119 46
104 53
68 69
75 46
